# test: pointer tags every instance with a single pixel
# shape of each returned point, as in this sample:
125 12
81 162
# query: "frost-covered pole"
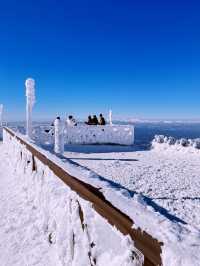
1 115
30 101
110 117
59 139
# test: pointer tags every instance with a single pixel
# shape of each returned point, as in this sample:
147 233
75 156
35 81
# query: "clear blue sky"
140 58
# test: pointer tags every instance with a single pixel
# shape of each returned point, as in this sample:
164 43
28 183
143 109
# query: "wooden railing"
146 244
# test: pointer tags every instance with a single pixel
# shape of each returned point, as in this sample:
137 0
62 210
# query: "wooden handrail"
149 246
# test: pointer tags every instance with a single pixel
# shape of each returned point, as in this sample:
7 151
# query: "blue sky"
140 58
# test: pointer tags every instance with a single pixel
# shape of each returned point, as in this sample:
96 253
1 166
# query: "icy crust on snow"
164 142
75 242
181 243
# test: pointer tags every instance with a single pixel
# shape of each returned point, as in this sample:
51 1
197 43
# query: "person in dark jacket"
102 120
95 120
89 122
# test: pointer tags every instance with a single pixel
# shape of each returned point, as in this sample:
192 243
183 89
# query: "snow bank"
183 144
58 204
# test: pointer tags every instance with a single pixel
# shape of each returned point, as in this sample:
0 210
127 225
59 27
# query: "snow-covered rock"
196 143
164 142
159 138
184 142
171 141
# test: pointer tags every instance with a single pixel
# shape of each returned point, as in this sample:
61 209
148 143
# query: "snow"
40 223
22 240
168 177
147 172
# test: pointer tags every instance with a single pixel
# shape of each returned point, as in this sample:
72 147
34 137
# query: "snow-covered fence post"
59 138
30 96
110 118
1 115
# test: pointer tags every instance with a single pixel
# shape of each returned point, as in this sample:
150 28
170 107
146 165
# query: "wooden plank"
150 247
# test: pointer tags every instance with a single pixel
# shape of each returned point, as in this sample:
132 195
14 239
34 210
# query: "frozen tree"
1 114
59 138
30 96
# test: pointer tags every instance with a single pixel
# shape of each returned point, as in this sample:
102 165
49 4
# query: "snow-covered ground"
40 223
22 241
32 203
168 177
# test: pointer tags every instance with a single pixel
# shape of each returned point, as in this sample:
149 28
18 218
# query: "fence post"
110 118
59 138
30 101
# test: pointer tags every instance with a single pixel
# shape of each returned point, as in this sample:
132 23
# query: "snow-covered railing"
83 134
80 219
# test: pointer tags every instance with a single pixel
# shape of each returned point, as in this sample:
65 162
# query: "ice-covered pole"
59 138
1 115
110 117
30 101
